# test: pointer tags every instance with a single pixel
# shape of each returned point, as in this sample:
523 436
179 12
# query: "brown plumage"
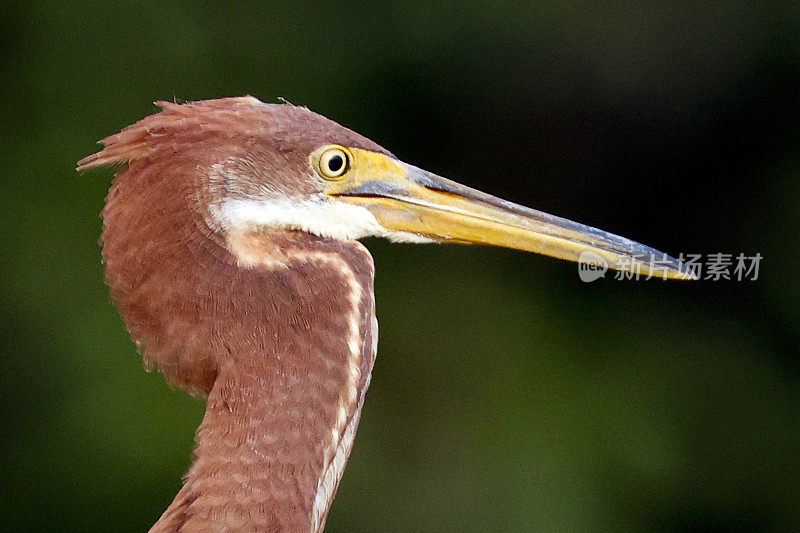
229 241
275 373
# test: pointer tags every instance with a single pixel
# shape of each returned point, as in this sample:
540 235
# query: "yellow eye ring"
334 163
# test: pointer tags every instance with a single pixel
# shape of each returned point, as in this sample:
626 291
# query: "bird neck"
293 332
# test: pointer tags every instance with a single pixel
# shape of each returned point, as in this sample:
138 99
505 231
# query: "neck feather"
292 339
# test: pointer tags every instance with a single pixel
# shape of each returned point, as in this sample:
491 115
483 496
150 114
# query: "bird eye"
334 163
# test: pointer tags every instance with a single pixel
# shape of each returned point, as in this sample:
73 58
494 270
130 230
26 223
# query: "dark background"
507 395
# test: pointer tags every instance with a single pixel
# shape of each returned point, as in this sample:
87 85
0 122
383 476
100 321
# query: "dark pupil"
335 163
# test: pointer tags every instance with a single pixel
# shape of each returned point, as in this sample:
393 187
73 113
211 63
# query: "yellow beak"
405 198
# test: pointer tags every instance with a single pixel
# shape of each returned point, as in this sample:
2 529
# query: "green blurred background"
507 395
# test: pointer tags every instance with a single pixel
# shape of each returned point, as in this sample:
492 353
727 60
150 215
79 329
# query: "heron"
230 242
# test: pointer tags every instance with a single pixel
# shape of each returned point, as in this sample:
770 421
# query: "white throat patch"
322 217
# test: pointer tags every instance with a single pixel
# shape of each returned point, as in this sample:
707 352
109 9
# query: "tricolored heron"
230 246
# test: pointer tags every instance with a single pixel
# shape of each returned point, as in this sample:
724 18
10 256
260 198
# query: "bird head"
255 166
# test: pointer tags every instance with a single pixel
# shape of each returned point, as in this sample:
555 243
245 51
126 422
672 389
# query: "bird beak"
404 198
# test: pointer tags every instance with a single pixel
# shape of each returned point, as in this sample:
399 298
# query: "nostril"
441 191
